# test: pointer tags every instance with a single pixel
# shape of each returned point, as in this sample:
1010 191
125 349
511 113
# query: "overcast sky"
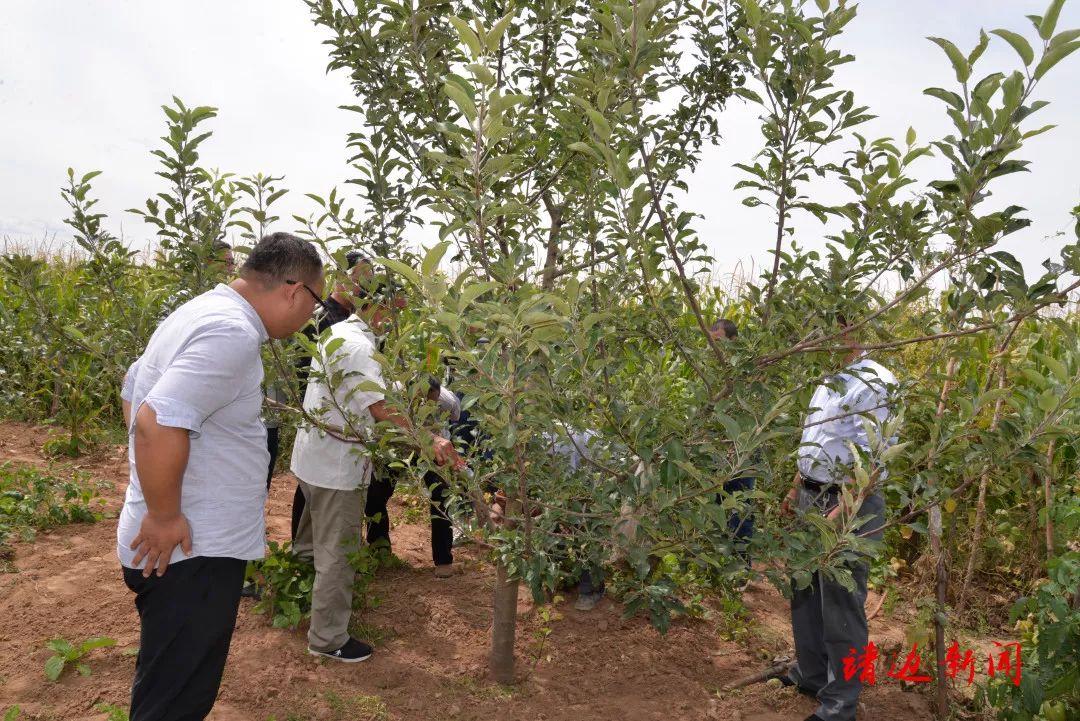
81 85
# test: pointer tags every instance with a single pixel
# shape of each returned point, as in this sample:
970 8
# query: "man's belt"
819 486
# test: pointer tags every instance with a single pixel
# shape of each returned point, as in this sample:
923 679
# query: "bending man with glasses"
193 511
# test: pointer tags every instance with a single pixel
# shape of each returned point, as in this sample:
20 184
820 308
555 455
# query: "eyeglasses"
319 301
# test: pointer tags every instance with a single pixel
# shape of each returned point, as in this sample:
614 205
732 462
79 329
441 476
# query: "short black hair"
279 257
355 256
730 329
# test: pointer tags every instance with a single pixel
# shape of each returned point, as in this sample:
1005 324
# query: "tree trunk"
552 255
941 573
501 659
980 507
1048 498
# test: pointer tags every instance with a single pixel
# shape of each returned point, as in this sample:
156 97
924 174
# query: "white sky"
81 85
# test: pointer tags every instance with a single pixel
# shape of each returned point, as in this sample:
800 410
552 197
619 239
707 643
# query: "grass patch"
356 708
372 633
476 689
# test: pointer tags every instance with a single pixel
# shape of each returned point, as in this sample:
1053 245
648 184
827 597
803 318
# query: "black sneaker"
352 652
250 590
788 682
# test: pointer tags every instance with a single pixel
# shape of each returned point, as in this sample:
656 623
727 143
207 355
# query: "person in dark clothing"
382 489
740 523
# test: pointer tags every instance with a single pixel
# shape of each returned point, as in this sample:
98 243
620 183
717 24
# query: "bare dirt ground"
430 655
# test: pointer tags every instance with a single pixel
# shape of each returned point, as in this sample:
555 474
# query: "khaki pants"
329 528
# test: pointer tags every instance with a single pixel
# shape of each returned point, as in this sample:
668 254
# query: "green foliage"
68 654
112 711
1051 638
31 501
548 143
12 714
285 580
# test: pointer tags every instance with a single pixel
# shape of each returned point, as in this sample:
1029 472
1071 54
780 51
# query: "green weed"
31 501
115 713
67 654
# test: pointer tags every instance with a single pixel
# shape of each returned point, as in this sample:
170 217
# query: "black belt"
819 486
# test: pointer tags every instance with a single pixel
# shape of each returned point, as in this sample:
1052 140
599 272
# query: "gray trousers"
828 621
329 529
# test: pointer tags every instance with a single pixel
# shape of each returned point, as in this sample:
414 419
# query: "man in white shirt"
345 395
193 511
828 620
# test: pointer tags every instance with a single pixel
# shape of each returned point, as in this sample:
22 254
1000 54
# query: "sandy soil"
431 656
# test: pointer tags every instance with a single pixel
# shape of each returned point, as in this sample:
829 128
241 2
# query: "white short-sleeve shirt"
202 371
347 358
835 420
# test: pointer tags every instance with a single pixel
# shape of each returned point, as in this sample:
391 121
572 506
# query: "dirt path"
429 663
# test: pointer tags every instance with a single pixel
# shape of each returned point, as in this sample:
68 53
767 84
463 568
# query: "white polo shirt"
318 458
202 371
836 417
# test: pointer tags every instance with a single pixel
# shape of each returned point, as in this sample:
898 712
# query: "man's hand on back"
156 540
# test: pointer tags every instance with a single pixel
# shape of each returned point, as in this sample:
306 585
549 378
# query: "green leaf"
1053 57
1056 367
910 139
83 669
752 11
1019 44
959 62
467 36
12 713
1050 19
1038 131
600 124
984 40
494 36
433 257
98 642
1048 400
949 97
471 292
401 269
1065 36
823 6
482 73
60 645
461 100
54 667
581 147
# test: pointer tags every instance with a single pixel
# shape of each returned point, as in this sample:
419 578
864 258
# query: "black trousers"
186 623
298 503
272 435
378 521
828 621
